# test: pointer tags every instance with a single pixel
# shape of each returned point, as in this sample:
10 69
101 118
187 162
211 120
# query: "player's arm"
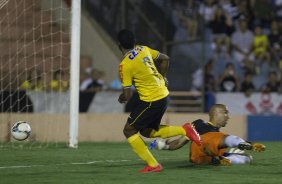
162 64
169 144
178 143
126 80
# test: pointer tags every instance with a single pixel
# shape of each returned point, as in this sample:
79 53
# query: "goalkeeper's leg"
235 141
239 158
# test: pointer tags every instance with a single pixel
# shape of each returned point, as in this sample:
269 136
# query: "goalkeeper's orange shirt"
137 68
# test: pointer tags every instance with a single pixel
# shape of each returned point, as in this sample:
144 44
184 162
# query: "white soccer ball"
161 144
21 130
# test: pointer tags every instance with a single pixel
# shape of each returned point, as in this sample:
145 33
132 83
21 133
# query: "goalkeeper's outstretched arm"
169 144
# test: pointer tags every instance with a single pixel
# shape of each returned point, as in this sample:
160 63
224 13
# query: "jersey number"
147 62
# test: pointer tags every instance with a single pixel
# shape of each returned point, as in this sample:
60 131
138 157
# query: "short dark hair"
126 39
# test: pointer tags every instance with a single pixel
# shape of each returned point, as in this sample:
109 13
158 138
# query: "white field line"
74 163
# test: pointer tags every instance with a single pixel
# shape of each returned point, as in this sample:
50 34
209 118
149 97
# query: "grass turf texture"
109 163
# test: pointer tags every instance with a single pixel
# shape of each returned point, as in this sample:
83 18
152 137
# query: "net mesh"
34 68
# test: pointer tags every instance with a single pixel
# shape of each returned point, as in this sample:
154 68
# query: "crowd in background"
244 44
37 80
244 38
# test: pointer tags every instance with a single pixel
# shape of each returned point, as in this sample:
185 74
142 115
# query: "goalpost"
75 57
39 69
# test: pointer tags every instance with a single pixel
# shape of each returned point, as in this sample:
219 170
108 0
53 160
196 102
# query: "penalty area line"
75 163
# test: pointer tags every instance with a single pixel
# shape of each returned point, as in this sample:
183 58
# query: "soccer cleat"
191 133
153 144
148 169
254 146
245 146
258 147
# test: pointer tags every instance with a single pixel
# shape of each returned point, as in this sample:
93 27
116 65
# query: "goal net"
35 68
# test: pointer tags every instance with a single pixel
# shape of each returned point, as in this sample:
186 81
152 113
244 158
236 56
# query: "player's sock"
233 141
239 159
141 150
168 131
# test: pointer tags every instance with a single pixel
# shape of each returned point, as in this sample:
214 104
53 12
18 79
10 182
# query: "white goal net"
34 68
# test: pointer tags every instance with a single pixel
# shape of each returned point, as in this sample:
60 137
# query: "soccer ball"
161 143
21 130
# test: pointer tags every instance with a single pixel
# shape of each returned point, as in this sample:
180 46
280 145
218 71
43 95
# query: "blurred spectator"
206 10
60 81
209 78
278 11
190 17
260 45
222 27
33 82
210 85
197 80
247 85
85 79
228 81
263 12
91 80
85 63
275 42
242 41
244 12
184 18
273 84
249 66
229 7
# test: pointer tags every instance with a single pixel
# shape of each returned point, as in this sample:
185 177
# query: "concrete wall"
97 127
98 45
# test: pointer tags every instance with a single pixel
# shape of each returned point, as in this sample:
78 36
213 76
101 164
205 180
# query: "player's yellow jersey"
137 68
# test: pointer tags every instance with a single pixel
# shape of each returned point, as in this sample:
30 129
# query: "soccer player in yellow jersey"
138 69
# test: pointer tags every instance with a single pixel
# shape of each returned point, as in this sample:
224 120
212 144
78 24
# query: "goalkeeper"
213 149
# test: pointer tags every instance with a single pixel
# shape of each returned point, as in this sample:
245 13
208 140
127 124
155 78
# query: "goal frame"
74 72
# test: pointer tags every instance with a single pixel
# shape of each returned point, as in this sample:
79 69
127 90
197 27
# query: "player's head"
126 39
219 115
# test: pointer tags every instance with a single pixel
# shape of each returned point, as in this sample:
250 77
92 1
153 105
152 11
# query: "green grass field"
104 163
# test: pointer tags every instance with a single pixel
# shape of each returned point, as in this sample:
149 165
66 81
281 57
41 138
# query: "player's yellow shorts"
203 154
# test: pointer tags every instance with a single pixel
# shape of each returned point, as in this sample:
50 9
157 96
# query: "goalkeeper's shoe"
245 146
148 169
251 146
258 147
192 134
